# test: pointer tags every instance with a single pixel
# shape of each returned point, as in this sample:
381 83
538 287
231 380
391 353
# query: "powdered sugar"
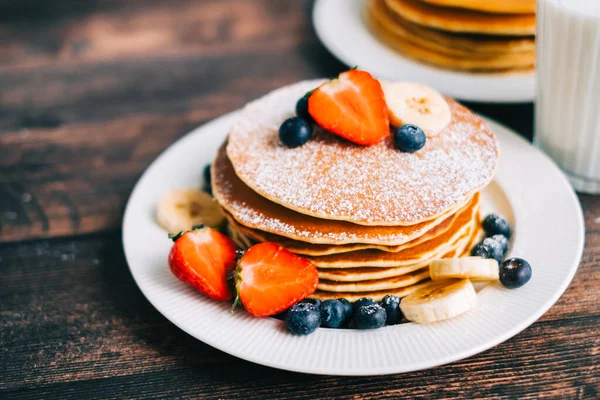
373 185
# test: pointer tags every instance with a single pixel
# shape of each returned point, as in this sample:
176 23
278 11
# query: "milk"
567 108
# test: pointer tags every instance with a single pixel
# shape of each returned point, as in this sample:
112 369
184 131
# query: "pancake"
435 247
463 20
239 239
457 45
476 236
401 291
522 61
369 273
330 178
491 6
310 249
376 295
253 211
370 281
376 284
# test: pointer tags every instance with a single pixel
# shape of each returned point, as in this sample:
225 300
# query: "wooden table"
90 93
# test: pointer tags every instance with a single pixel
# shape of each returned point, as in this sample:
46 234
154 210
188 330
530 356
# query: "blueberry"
347 309
391 304
372 316
281 316
409 138
494 224
295 132
496 248
332 314
207 174
515 272
482 250
363 301
315 302
302 108
302 319
503 240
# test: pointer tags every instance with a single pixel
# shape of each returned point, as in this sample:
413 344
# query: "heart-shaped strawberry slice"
352 106
269 279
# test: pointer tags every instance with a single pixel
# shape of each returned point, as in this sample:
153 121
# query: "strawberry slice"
269 279
202 258
353 107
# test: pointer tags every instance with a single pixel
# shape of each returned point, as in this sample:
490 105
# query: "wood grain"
70 154
90 93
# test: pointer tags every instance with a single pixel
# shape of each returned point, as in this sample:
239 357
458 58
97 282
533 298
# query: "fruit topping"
351 106
494 224
364 301
181 209
497 252
332 314
391 304
488 248
203 258
295 132
302 319
418 104
302 108
440 301
409 138
207 186
347 309
316 302
371 316
515 272
503 240
269 279
474 268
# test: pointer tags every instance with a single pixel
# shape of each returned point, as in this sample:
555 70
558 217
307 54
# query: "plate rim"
318 18
213 342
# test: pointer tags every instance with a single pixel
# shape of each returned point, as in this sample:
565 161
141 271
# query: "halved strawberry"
269 279
202 258
353 107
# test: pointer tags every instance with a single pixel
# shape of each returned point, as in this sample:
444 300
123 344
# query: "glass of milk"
567 108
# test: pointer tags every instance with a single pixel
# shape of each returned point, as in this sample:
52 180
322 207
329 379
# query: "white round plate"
528 188
341 27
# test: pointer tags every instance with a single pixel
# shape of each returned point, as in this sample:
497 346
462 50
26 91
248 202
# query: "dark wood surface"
90 93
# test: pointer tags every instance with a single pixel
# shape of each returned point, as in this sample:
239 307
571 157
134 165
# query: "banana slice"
474 268
438 302
418 104
181 209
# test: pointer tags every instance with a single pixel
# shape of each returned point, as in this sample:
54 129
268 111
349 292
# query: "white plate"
529 189
340 26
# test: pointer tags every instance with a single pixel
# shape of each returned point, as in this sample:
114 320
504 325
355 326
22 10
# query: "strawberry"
269 279
352 106
202 258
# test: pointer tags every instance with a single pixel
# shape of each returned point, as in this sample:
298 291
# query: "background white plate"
529 188
340 26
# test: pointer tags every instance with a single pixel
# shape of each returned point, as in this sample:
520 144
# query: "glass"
567 108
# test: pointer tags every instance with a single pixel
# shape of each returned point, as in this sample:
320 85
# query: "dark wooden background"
90 92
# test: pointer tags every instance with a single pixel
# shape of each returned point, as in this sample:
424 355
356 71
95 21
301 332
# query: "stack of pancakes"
371 218
469 35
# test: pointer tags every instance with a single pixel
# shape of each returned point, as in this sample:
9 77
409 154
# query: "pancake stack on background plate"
371 218
469 35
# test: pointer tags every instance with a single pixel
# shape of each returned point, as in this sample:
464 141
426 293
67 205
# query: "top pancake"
492 6
463 20
377 185
253 211
447 42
